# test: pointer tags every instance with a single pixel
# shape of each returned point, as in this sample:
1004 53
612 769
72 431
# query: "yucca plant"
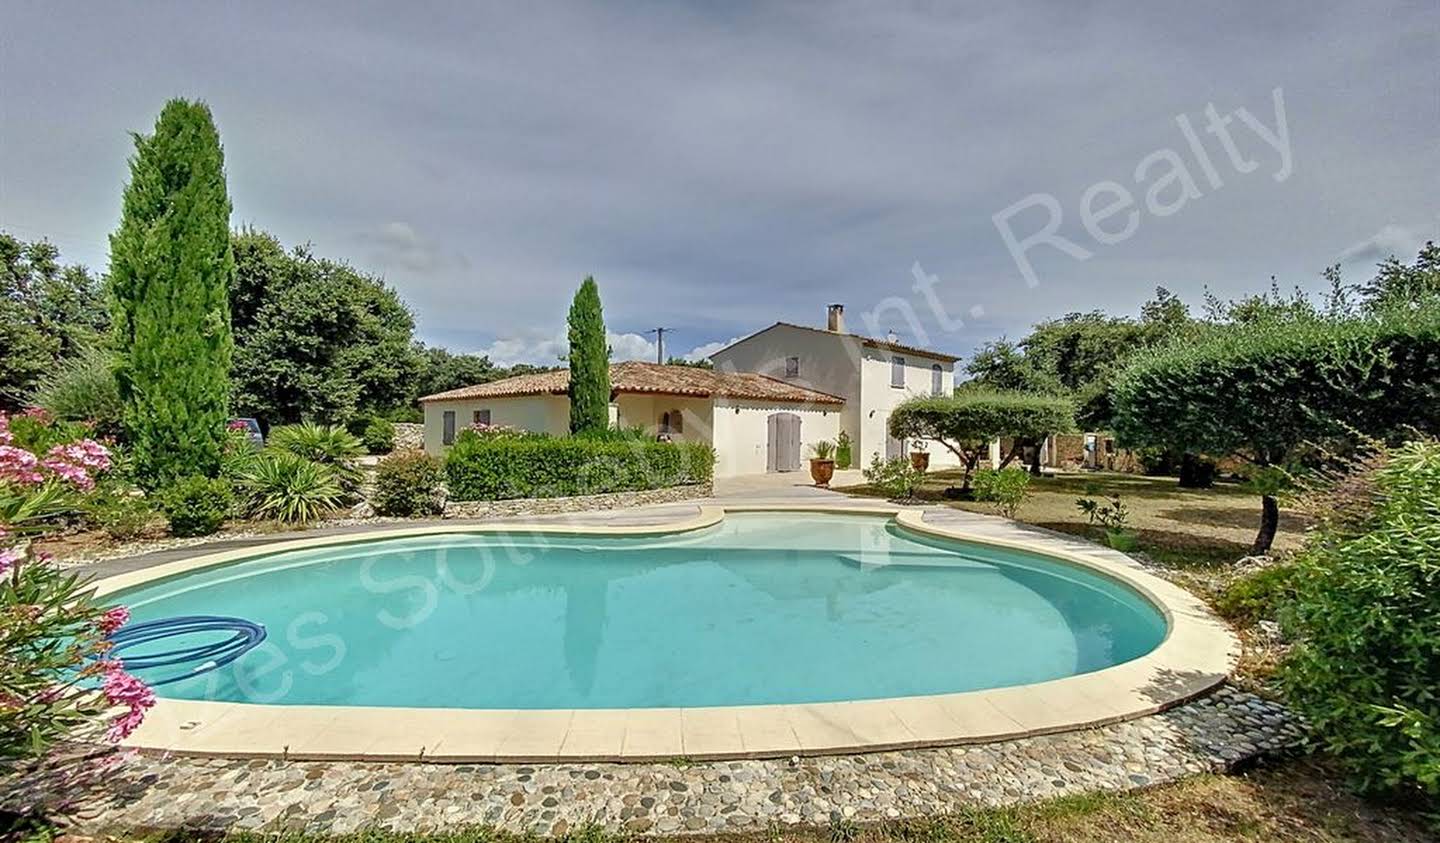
330 445
286 487
823 450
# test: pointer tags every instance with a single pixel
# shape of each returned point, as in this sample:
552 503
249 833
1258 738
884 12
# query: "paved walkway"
1210 734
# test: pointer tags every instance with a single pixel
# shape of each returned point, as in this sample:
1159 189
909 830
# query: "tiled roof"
870 342
650 378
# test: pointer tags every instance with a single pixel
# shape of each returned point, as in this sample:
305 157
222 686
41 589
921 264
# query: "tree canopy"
589 361
966 423
48 312
170 270
317 339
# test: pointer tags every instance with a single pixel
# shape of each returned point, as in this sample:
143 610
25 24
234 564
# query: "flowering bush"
58 689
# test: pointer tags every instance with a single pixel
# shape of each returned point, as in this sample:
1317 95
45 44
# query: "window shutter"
897 371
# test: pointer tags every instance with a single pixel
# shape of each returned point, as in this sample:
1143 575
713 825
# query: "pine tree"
170 273
589 362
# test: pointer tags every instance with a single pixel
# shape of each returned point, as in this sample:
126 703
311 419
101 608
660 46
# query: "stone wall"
409 436
582 503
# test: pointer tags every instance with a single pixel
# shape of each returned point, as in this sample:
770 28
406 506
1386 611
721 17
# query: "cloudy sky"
718 167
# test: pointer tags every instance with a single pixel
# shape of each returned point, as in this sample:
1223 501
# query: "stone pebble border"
1211 734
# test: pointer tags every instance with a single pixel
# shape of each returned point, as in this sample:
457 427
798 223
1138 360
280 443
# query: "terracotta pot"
920 460
821 471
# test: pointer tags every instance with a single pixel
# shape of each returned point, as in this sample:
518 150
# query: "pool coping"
1198 652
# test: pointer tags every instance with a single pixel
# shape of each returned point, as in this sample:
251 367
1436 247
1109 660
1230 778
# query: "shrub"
329 445
967 423
197 506
1259 594
83 389
121 510
1005 488
1114 517
844 451
497 468
379 436
290 488
409 483
823 450
1366 619
898 478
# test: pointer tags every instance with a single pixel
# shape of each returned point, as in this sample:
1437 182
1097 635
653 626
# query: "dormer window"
897 372
792 367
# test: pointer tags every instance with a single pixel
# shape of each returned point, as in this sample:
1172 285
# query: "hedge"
502 468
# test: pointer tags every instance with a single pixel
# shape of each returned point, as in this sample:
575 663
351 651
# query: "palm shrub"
281 485
1366 618
409 484
330 445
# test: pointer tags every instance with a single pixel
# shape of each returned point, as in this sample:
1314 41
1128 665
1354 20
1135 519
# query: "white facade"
741 432
539 413
847 366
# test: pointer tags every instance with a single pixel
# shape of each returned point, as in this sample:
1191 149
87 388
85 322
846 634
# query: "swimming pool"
761 608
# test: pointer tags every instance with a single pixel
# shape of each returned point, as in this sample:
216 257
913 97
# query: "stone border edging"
1197 654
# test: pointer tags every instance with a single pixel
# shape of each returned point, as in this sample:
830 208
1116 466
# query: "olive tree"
1268 391
966 423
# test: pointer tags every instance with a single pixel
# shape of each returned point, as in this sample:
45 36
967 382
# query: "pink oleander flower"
4 531
113 619
6 437
236 424
122 689
9 558
18 465
36 413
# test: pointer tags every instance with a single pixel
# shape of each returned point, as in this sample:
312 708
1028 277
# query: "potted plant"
822 462
843 455
920 455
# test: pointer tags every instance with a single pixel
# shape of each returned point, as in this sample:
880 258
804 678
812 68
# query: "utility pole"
659 343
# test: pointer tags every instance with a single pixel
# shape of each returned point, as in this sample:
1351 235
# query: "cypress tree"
589 361
170 273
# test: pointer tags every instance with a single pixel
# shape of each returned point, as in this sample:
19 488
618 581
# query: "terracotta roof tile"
651 378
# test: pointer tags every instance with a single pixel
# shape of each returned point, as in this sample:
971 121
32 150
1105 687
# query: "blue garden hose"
244 637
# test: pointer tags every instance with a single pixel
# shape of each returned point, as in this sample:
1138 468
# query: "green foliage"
497 468
379 436
283 486
83 388
37 431
1263 390
121 510
409 484
1111 514
823 450
966 422
844 451
330 445
442 370
170 272
48 312
1257 595
197 505
1400 287
589 361
1005 488
1366 618
316 339
898 478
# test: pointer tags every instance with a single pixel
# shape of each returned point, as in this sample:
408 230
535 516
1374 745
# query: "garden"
123 422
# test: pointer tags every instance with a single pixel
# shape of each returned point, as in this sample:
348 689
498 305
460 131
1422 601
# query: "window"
448 436
897 372
482 417
937 379
672 422
792 367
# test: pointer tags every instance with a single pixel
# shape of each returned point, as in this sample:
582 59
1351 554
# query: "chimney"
835 318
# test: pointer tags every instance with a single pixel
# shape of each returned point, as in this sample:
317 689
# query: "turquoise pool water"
764 608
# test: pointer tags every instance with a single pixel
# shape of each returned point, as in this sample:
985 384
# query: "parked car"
252 430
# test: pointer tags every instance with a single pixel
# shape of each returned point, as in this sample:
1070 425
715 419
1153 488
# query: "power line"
659 342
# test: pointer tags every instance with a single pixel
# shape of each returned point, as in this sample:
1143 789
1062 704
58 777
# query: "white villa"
769 398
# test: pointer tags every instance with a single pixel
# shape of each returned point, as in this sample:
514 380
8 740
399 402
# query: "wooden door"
782 451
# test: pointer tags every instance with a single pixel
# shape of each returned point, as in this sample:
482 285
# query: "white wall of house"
741 432
539 413
827 362
647 411
878 397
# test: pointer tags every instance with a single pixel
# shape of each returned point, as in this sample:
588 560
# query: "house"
769 398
